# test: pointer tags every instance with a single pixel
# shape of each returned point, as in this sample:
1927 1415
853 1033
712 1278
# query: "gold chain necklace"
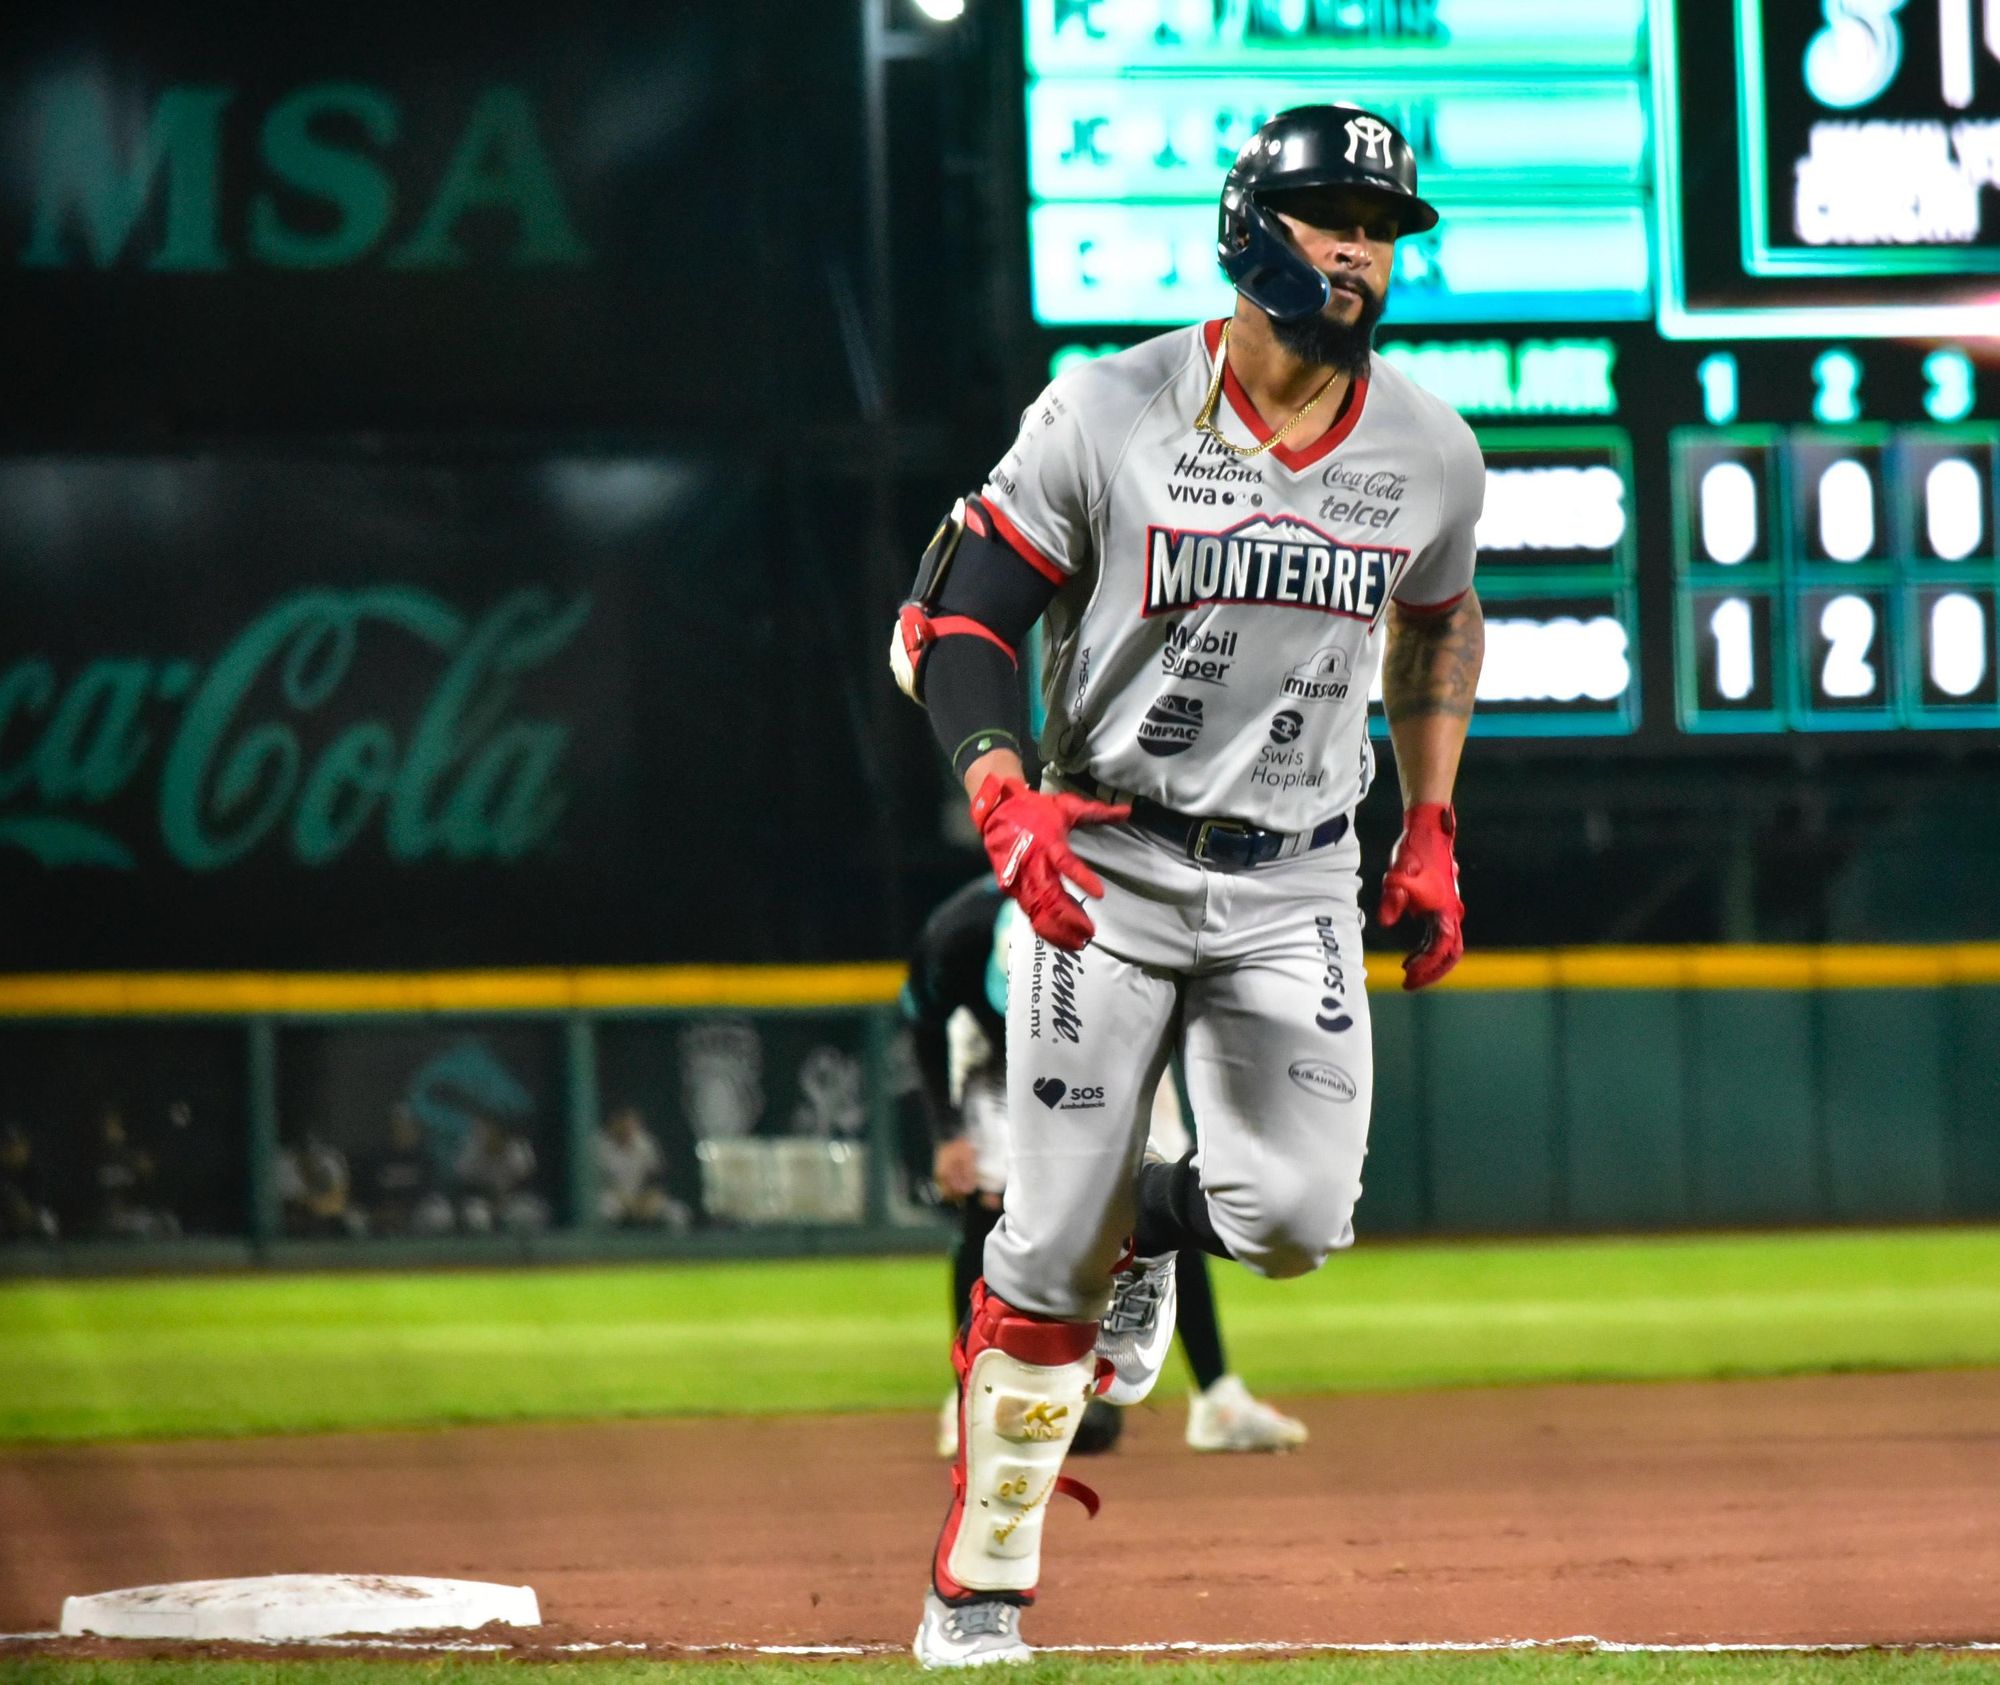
1204 421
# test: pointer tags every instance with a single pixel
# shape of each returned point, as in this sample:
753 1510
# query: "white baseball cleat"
1139 1327
1227 1418
947 1439
977 1634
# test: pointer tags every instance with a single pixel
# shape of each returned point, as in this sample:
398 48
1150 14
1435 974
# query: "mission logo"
1322 677
1268 559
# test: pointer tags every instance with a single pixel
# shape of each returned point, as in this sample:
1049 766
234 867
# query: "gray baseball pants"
1259 975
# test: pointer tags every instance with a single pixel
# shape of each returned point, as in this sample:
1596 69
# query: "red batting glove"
1423 878
1027 838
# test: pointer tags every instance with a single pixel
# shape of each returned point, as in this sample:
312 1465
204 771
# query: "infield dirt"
1846 1509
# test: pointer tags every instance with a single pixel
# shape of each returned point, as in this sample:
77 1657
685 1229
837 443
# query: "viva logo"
466 779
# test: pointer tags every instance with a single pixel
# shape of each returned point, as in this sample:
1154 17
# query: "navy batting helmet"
1308 146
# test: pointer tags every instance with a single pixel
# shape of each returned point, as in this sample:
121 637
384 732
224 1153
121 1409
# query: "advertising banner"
384 217
317 712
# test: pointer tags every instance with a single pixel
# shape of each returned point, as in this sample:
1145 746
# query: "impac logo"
1171 725
1271 559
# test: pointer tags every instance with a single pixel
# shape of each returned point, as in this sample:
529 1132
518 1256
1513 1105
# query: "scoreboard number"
1840 508
1731 513
1837 383
1734 679
1948 386
1956 637
1726 490
1955 627
1844 649
1849 624
1954 516
1846 511
1735 632
1949 481
1721 389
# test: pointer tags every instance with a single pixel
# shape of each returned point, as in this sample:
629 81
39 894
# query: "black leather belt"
1228 845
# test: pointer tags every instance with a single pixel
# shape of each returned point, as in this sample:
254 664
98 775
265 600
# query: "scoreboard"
1835 578
1717 284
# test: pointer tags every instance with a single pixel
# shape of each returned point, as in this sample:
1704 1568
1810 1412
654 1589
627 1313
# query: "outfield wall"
1690 1088
1577 1090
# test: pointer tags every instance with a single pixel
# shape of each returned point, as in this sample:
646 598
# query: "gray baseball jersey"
1219 622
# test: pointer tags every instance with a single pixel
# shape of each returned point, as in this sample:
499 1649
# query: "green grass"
87 1360
1539 1668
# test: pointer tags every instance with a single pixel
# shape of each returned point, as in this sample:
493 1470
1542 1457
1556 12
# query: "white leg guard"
1024 1383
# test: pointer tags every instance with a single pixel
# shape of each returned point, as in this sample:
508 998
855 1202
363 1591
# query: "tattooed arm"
1430 671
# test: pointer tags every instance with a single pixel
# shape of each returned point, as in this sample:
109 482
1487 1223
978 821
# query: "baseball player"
955 1001
1226 531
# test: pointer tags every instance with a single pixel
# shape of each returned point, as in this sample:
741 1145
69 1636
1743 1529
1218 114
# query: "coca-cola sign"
308 708
234 763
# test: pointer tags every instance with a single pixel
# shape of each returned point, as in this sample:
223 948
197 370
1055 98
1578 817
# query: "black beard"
1344 346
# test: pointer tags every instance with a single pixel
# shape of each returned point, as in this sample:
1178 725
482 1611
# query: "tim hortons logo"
1278 560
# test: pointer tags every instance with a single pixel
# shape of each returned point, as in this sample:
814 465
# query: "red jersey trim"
1424 611
1246 412
1019 542
965 626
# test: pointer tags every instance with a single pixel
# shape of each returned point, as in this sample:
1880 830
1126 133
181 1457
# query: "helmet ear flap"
1265 267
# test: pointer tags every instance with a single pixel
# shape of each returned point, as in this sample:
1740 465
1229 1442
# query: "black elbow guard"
914 633
970 579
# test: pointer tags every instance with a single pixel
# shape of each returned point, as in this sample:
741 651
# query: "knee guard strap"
1023 1383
